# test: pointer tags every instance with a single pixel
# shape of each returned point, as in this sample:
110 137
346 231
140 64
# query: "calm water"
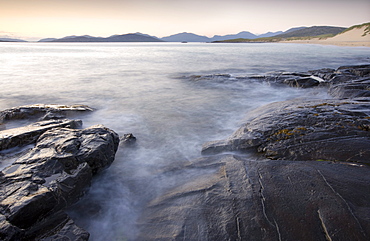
144 89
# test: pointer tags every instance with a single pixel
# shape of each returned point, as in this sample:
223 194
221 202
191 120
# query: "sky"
36 19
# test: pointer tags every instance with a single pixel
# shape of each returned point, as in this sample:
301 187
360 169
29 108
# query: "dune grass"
367 29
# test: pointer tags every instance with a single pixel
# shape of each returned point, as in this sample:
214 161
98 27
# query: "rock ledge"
55 173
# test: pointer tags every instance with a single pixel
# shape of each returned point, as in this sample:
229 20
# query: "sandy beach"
353 38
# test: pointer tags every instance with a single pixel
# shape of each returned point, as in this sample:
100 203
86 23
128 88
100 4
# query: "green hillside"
313 32
321 32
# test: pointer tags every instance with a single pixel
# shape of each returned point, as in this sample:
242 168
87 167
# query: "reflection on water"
144 89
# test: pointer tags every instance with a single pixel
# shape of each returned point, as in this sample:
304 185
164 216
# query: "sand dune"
353 37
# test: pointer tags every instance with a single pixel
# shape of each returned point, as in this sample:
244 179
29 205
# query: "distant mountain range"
131 37
191 37
180 37
11 40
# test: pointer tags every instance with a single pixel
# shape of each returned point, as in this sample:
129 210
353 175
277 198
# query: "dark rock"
349 73
58 227
44 112
243 199
70 231
304 130
316 187
354 89
298 80
50 177
312 78
8 231
128 139
303 82
320 77
325 74
26 135
356 70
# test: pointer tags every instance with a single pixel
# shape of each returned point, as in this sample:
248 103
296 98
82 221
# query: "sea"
172 97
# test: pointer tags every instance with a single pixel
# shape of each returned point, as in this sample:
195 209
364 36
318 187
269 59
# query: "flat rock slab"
243 199
41 111
314 78
25 135
36 188
354 89
337 130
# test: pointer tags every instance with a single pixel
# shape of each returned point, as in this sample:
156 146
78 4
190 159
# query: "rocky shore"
295 170
52 174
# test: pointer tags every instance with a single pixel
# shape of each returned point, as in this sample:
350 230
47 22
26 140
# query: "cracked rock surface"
42 111
299 170
336 130
53 174
244 199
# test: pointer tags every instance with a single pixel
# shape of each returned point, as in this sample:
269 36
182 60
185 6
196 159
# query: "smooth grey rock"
44 112
243 199
51 176
304 130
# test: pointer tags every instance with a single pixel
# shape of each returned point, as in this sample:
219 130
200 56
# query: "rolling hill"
295 33
358 35
11 40
131 37
185 37
312 32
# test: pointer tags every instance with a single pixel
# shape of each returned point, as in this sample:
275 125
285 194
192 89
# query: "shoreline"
357 37
328 42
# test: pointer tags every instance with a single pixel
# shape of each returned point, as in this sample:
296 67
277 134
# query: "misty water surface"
145 89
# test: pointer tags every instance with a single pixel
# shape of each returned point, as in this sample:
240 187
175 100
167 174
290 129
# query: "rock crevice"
299 170
45 179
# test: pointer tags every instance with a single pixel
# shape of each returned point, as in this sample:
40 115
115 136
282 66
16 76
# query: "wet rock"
304 130
313 78
325 74
61 227
44 112
353 89
50 177
26 135
309 79
347 74
244 199
303 82
321 77
293 79
356 70
128 140
70 231
314 188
